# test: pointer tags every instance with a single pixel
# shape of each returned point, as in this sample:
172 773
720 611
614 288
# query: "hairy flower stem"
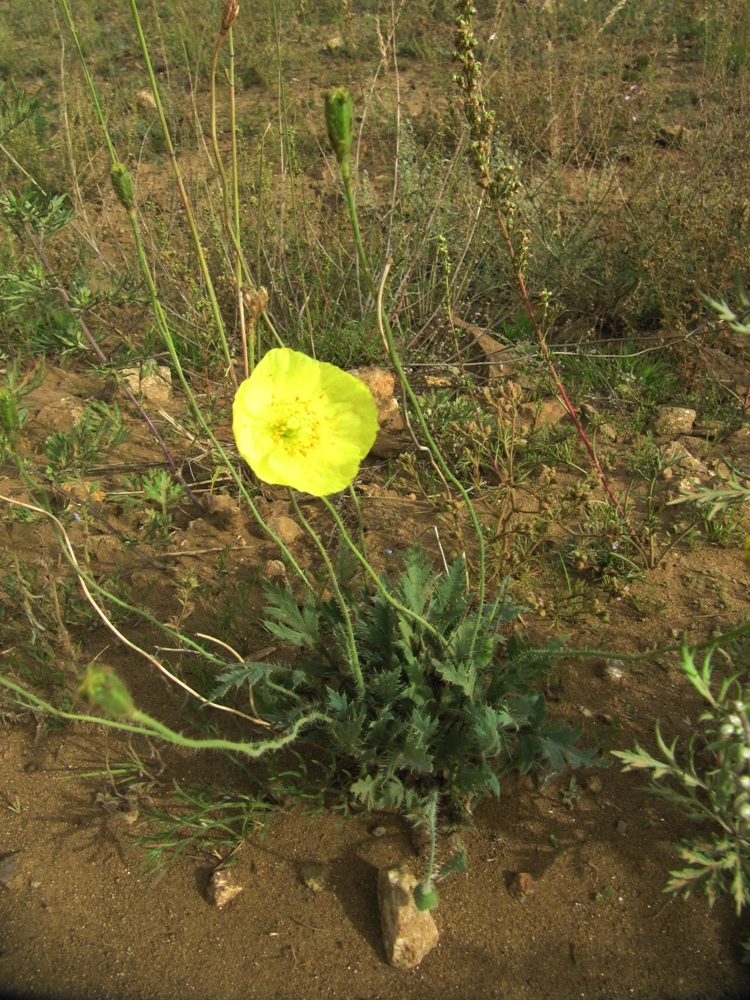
382 589
166 334
343 606
231 218
501 187
143 725
425 895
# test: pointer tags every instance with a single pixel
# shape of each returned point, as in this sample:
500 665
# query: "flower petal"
303 423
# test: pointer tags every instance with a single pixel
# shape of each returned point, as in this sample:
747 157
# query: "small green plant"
99 428
13 804
13 414
608 892
710 782
156 487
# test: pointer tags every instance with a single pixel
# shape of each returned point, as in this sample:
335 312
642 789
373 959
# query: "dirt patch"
563 896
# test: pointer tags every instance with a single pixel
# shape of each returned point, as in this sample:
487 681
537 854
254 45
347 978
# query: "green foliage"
99 429
34 315
710 781
35 210
13 414
16 107
450 703
153 494
194 820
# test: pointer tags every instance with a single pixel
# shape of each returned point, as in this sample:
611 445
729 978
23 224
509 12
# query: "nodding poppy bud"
122 182
339 113
102 688
425 899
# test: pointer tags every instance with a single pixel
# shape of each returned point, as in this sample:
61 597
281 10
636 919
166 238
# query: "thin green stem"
197 412
89 81
344 607
431 817
214 136
354 221
144 725
383 590
360 521
215 310
248 351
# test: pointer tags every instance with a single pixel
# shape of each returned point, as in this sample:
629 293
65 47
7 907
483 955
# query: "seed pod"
122 182
339 112
229 15
102 688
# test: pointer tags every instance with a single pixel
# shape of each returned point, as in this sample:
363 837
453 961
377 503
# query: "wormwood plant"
710 782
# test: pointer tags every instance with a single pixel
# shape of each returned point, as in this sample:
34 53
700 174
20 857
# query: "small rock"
221 510
542 414
316 876
674 136
614 670
64 413
594 784
221 889
285 528
501 359
378 831
408 933
740 440
144 100
391 439
153 388
621 827
9 870
335 44
274 571
671 421
522 886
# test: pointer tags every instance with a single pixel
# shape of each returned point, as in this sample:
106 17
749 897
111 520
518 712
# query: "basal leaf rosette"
303 423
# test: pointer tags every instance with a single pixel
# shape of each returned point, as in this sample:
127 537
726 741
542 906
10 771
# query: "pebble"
9 868
522 886
316 876
221 889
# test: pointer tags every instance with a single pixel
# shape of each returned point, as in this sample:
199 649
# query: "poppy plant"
303 423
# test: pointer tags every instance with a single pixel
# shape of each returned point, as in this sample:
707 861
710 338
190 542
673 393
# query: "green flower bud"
425 899
9 424
122 182
339 114
102 688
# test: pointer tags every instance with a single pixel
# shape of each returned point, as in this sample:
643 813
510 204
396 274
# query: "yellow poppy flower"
303 423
